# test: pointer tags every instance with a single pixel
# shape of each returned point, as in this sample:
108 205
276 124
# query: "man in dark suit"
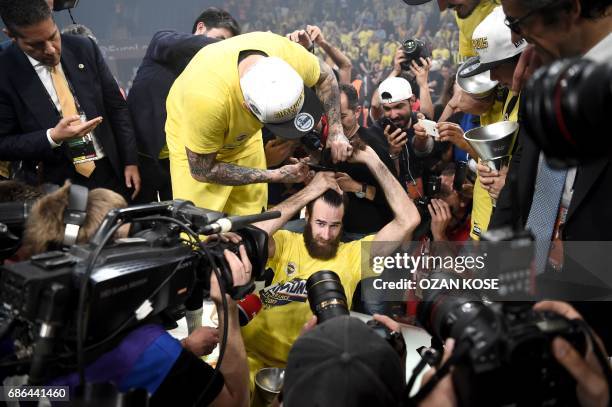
50 85
571 204
168 54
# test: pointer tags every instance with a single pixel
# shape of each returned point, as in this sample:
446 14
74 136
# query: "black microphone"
232 223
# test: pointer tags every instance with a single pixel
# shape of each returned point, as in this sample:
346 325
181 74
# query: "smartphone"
385 121
430 128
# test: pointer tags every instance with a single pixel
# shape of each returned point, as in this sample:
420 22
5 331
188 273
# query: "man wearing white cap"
411 153
498 54
218 105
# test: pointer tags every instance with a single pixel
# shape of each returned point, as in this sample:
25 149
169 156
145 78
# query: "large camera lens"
564 106
326 295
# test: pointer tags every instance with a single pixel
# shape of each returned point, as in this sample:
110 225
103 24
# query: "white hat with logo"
277 96
394 89
492 40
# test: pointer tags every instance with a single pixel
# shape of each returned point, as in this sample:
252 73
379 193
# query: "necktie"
68 106
544 209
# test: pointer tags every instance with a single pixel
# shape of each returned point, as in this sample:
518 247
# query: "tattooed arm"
206 168
328 92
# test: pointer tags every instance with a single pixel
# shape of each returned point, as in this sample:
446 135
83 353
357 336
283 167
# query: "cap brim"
478 67
303 122
416 2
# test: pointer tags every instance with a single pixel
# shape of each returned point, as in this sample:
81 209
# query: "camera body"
504 343
414 50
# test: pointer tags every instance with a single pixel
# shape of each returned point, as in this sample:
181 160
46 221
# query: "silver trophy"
493 143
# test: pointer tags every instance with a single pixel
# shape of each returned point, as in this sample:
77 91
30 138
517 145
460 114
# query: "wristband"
394 157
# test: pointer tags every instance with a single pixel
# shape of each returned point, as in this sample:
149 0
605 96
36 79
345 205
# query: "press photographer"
124 340
568 204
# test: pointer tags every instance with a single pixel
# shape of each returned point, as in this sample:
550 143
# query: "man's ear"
200 29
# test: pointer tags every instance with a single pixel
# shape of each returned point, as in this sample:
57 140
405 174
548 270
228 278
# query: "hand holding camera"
241 269
420 70
592 385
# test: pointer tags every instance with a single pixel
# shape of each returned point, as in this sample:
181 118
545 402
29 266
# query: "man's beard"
317 250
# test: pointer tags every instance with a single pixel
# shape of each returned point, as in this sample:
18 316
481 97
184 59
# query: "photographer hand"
491 180
443 395
592 386
440 218
397 140
202 341
421 73
241 274
400 57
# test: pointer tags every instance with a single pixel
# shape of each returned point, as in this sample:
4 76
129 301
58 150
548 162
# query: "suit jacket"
26 110
168 54
585 274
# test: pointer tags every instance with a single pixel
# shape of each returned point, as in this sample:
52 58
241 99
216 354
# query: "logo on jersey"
283 293
291 268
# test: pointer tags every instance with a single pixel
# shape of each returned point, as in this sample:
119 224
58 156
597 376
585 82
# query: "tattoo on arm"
205 168
328 92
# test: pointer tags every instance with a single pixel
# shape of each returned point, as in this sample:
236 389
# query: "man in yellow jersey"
218 105
294 258
468 14
498 54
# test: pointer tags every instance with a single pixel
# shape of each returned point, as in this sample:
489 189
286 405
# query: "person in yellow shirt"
218 105
468 14
498 54
294 258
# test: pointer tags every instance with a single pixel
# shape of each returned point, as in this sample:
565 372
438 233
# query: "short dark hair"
19 13
331 197
214 17
590 9
12 191
351 95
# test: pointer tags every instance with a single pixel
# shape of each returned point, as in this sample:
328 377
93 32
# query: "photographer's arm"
234 367
406 216
421 73
206 168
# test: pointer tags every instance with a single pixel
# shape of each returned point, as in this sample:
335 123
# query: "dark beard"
315 250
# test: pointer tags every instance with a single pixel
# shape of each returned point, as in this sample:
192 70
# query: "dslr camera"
414 50
327 300
501 347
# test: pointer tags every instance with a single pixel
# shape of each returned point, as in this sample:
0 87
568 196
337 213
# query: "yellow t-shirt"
440 53
206 114
374 52
269 336
468 25
364 37
482 206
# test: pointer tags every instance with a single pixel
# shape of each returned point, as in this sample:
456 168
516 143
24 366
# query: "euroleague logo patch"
304 122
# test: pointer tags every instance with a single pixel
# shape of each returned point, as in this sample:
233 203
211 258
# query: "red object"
248 307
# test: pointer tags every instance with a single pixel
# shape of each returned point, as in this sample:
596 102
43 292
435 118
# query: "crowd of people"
320 113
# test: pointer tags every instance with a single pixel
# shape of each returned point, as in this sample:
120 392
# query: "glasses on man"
515 23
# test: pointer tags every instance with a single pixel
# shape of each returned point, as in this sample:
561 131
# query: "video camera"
123 282
565 107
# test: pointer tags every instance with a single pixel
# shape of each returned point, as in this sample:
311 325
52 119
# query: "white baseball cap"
394 89
276 95
492 40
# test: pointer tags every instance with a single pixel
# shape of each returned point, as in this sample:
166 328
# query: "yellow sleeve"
305 63
205 121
